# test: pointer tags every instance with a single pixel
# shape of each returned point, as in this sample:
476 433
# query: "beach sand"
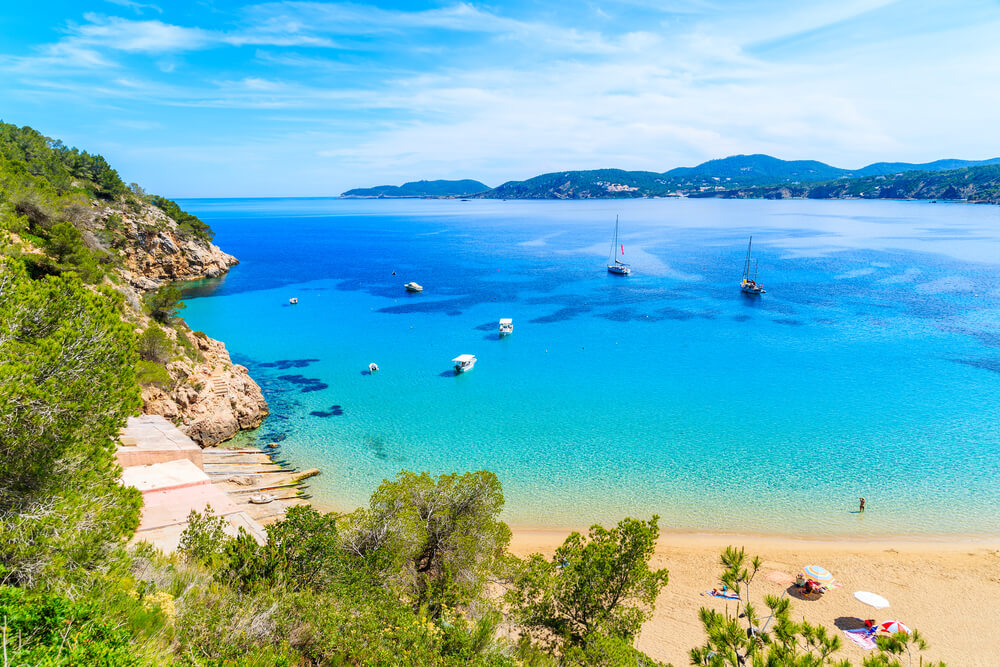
948 590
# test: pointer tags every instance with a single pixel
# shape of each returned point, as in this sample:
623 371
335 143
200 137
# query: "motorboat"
294 300
372 367
261 498
413 287
464 362
506 326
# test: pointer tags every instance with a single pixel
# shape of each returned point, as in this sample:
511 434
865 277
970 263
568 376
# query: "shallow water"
870 368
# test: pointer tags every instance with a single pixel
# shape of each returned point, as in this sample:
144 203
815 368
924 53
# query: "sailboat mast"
614 242
746 264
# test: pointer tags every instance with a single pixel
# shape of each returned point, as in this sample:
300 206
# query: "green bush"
154 345
164 304
151 373
187 224
204 539
48 629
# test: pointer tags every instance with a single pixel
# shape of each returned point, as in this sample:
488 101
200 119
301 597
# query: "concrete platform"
152 439
170 491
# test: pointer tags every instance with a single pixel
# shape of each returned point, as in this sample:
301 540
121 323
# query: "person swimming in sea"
862 509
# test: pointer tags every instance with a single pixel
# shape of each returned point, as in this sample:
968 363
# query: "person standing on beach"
862 505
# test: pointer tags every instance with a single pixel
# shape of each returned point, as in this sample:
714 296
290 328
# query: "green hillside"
973 184
421 189
714 178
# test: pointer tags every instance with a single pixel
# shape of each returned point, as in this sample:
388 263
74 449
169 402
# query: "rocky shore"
210 401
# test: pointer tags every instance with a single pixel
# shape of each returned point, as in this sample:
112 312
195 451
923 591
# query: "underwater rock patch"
305 384
334 411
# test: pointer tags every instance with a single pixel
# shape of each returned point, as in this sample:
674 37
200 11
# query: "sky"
216 98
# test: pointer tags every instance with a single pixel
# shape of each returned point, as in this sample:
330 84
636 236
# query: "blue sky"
221 98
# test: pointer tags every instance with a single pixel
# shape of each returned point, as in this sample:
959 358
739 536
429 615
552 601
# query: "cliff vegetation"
64 211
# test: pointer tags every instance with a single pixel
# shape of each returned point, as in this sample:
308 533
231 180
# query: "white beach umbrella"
872 599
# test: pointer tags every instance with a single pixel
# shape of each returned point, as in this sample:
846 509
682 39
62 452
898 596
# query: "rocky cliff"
153 251
210 399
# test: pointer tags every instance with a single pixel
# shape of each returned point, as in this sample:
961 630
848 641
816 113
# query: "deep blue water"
871 366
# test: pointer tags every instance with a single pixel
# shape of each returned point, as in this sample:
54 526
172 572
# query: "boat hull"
619 270
753 290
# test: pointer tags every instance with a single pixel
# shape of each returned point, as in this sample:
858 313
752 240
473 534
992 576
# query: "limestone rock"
154 252
210 401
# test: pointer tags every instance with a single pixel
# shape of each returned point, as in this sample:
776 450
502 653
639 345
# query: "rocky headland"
208 397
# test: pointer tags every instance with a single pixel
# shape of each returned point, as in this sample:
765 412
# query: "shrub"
151 373
204 540
597 588
155 345
164 304
52 630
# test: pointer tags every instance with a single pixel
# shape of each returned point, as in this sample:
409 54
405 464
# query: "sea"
870 368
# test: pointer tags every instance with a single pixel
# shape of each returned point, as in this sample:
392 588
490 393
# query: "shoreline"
544 534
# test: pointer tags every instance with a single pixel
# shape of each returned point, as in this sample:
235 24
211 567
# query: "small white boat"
413 287
261 498
294 300
506 326
372 367
464 362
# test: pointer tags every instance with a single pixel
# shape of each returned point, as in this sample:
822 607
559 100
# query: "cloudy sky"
221 98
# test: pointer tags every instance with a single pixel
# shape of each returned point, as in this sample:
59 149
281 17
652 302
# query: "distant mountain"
979 184
883 168
758 170
733 176
595 184
422 189
737 173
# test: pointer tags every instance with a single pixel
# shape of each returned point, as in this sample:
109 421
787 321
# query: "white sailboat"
750 285
618 267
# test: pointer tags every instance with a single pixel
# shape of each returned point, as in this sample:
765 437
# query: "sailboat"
619 267
750 285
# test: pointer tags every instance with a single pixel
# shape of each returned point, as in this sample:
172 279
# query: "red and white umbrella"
892 627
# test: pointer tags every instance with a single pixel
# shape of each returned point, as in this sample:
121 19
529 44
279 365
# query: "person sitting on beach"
800 581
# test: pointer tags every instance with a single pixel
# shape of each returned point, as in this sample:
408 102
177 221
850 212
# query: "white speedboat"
413 287
464 362
372 367
506 326
294 300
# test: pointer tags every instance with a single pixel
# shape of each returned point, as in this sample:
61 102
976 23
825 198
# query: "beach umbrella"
819 574
892 627
872 599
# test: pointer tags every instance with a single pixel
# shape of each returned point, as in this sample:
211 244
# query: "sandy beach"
949 590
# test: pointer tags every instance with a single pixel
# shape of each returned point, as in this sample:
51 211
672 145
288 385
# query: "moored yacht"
617 266
506 326
750 285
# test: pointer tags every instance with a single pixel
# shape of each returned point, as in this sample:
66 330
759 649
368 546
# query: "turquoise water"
870 368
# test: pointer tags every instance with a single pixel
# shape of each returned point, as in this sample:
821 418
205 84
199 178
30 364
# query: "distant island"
421 189
739 177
